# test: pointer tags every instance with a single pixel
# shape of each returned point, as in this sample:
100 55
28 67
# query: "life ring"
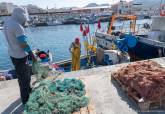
162 11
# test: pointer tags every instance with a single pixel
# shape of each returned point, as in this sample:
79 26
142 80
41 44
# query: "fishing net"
40 72
57 97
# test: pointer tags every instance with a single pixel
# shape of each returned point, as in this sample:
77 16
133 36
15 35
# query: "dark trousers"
24 77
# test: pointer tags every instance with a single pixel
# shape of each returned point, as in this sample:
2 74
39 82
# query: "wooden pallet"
143 105
87 110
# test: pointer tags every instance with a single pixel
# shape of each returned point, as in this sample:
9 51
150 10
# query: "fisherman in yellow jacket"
75 49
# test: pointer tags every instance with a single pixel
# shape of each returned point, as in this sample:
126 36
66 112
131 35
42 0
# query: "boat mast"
161 1
162 8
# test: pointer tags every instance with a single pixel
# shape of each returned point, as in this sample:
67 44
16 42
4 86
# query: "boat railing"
68 60
104 36
152 42
140 29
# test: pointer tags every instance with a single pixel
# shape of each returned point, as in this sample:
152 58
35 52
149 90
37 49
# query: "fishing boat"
65 65
117 40
70 21
73 20
1 28
7 75
54 23
150 45
62 66
40 24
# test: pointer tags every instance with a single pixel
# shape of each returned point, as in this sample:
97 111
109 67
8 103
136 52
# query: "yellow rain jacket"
75 49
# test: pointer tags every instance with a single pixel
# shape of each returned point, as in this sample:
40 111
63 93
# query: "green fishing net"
57 97
40 72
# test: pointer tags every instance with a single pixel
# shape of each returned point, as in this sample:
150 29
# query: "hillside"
95 5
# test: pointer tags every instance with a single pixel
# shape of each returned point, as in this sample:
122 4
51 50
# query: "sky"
59 3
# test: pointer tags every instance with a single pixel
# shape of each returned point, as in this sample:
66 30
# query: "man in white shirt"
19 49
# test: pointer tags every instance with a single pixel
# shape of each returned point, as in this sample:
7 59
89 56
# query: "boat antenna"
122 6
161 1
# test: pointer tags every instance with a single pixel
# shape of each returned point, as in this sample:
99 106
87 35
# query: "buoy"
127 41
131 40
43 56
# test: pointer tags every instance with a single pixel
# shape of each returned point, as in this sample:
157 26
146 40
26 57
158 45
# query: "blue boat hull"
66 65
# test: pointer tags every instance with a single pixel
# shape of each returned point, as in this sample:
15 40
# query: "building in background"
146 7
89 10
34 9
137 7
6 8
122 7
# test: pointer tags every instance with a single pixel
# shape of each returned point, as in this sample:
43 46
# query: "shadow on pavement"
14 108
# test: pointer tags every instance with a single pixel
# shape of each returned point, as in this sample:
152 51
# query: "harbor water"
57 39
